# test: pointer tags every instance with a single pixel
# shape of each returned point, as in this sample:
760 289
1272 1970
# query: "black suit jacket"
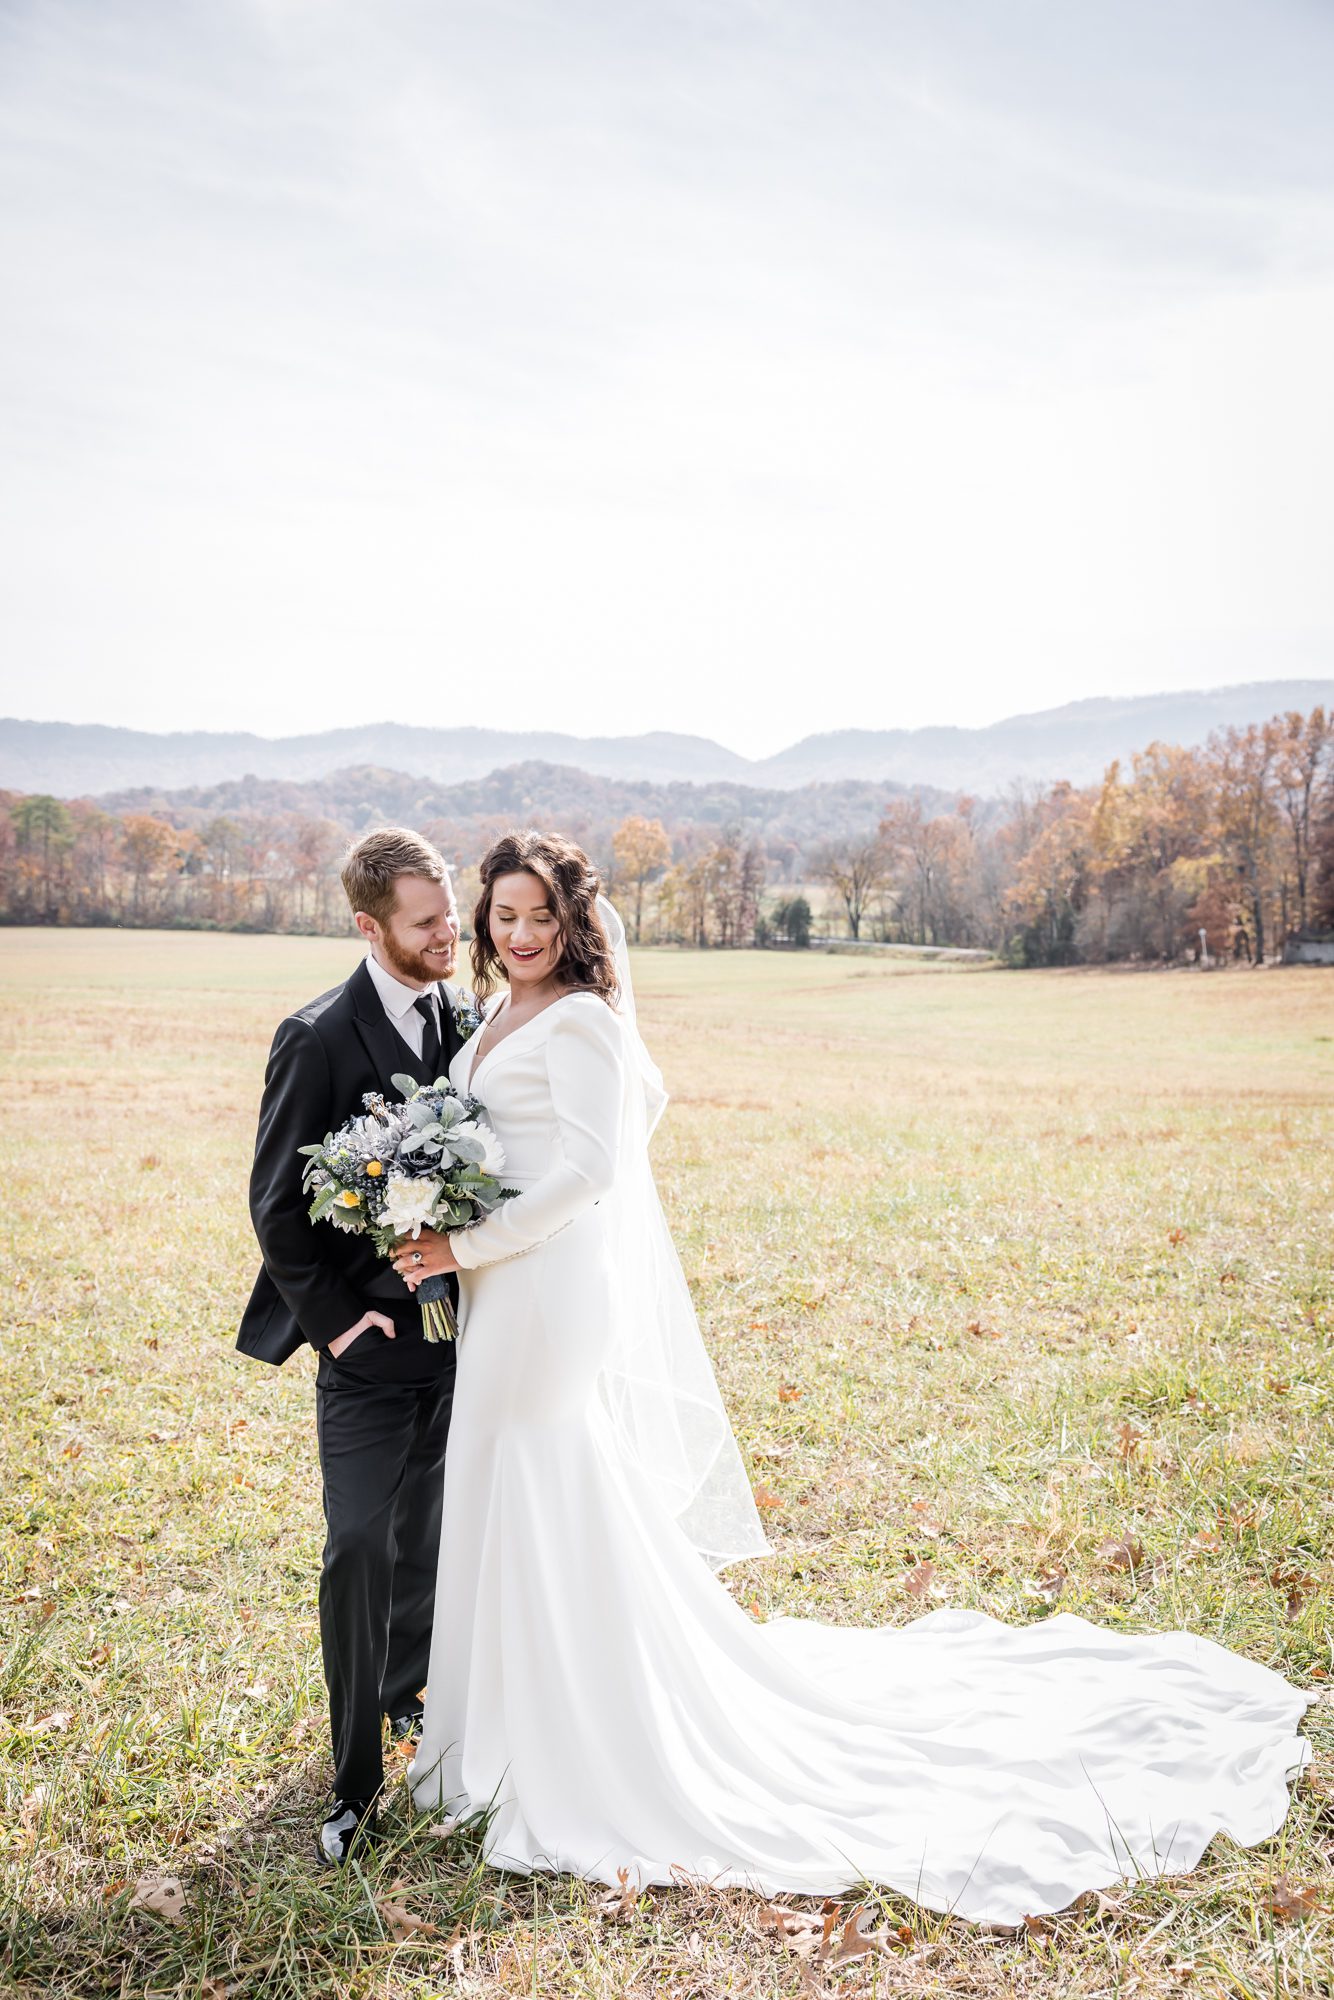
317 1281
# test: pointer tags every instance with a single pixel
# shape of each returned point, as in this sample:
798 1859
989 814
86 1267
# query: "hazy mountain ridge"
584 804
1074 741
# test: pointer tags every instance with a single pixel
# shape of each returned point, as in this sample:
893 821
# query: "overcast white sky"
747 367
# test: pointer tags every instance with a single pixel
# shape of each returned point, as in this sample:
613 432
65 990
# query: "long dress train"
594 1684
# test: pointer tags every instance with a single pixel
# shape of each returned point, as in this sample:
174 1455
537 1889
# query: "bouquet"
430 1159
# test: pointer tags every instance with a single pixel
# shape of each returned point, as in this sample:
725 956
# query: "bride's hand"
427 1257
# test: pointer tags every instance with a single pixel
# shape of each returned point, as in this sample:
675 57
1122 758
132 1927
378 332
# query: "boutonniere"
467 1017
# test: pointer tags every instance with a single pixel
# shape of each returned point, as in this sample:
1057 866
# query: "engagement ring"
416 1256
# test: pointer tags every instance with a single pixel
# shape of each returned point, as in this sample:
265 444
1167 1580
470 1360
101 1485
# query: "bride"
594 1686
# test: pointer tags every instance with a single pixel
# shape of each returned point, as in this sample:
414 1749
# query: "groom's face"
421 939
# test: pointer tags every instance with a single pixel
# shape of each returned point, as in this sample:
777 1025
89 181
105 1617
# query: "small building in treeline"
1309 948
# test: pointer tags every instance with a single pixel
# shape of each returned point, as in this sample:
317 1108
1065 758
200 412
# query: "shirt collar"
398 999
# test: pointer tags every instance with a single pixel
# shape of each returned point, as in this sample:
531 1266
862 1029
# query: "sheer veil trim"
658 1383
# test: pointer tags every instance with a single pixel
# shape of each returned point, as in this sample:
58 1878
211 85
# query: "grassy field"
1019 1287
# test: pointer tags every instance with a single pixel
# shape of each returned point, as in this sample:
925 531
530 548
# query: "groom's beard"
416 965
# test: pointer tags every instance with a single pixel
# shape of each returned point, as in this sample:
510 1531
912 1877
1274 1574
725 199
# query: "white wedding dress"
593 1684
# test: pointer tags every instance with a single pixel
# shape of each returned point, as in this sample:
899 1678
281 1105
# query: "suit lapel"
389 1053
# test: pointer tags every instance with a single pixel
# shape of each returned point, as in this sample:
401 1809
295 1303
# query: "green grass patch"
1019 1289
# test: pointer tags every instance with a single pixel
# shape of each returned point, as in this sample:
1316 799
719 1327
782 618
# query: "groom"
382 1392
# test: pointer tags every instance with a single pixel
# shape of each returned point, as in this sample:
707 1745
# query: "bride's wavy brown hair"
572 885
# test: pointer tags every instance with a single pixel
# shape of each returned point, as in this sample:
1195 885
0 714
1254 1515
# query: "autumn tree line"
1226 848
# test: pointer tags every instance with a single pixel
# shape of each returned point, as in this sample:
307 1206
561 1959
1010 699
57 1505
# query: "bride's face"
524 929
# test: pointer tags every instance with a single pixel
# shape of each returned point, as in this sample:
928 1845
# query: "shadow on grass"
261 1917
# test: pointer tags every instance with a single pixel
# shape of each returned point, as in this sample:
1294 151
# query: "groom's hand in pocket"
341 1343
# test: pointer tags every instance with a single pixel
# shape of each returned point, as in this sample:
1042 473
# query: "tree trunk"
1258 919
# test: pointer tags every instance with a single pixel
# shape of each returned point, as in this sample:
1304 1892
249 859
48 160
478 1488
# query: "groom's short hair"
373 864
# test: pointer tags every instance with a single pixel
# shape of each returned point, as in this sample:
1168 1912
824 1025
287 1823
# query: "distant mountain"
1075 741
463 817
75 759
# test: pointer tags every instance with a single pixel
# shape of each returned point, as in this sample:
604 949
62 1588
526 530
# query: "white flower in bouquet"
492 1160
408 1203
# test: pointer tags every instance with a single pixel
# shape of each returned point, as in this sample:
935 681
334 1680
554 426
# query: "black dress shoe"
351 1823
406 1728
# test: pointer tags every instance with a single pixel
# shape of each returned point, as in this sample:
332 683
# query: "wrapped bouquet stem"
428 1160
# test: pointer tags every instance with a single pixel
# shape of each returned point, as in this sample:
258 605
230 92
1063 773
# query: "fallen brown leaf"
1296 1585
801 1931
857 1938
1124 1552
616 1906
767 1500
920 1579
788 1392
1129 1438
1290 1901
161 1896
398 1919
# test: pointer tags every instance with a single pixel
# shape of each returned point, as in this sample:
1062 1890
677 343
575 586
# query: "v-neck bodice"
512 1082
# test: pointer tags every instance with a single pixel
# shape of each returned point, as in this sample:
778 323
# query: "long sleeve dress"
594 1685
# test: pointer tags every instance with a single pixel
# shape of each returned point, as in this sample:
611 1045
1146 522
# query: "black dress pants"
382 1424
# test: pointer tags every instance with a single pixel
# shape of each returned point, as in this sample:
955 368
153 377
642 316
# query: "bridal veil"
658 1383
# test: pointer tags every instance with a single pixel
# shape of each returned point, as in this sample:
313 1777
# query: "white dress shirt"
400 1004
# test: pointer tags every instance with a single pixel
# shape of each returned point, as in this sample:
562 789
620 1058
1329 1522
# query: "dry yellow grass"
995 1267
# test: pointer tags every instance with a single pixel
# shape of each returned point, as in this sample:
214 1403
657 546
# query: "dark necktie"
431 1050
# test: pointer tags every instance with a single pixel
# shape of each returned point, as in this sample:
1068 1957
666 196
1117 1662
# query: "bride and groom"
588 1681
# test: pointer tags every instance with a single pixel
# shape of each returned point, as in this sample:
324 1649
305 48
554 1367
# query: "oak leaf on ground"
857 1937
617 1906
1290 1901
1122 1552
401 1922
